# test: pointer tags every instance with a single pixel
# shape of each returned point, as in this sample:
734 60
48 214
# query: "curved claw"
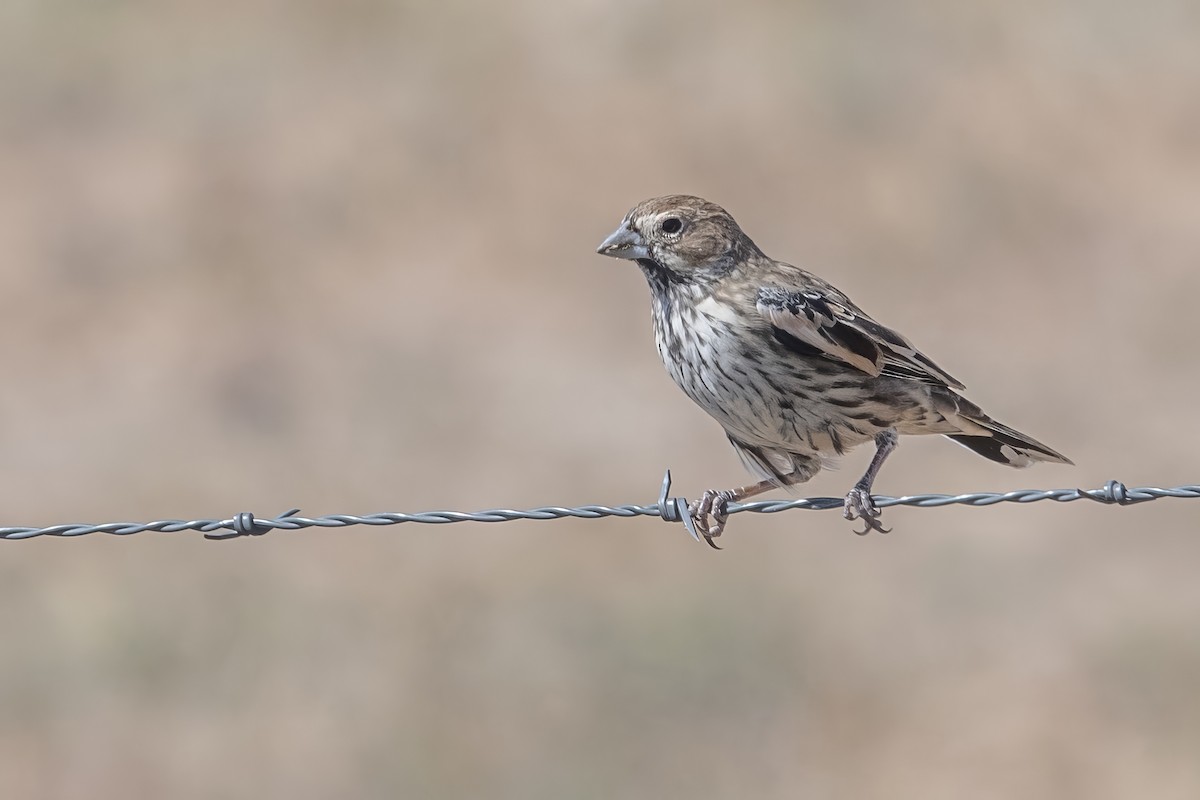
870 524
859 505
710 513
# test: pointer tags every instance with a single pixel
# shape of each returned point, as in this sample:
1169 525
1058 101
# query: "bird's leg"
858 502
712 509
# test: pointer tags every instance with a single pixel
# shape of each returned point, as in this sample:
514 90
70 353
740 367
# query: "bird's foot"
859 505
709 513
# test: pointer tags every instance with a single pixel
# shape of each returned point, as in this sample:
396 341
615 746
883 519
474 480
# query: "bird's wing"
815 321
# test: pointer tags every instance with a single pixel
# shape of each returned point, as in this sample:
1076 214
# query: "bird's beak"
624 242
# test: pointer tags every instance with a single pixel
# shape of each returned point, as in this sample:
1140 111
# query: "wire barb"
244 524
676 509
668 509
1113 492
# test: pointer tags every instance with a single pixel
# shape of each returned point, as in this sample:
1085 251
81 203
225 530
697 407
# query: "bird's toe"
710 513
859 505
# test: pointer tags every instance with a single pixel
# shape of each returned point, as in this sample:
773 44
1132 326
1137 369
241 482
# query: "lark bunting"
793 371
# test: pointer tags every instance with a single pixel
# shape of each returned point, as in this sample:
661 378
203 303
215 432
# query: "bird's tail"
993 440
1006 445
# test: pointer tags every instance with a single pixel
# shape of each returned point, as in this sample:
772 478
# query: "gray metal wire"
670 509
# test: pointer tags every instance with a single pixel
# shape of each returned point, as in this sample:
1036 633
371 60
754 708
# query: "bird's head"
680 238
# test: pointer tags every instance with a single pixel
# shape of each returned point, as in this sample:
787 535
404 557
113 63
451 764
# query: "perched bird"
793 371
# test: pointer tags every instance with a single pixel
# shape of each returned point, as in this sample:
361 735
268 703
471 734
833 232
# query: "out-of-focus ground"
340 256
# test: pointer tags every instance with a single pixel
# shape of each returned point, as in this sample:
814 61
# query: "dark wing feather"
813 318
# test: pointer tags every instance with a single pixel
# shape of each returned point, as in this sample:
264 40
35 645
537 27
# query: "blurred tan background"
340 256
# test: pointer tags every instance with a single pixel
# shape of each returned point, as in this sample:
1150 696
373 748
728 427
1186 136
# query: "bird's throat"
659 277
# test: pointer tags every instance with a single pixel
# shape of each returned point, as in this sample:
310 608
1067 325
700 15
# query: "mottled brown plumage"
792 370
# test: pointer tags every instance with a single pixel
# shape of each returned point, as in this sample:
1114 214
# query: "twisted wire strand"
669 509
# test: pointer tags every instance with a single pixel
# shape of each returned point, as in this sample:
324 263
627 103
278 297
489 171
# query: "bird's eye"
671 225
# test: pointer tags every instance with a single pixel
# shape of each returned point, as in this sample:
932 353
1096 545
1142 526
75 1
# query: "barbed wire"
669 509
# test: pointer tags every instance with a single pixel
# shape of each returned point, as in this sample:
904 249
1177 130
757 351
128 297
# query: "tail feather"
1006 445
